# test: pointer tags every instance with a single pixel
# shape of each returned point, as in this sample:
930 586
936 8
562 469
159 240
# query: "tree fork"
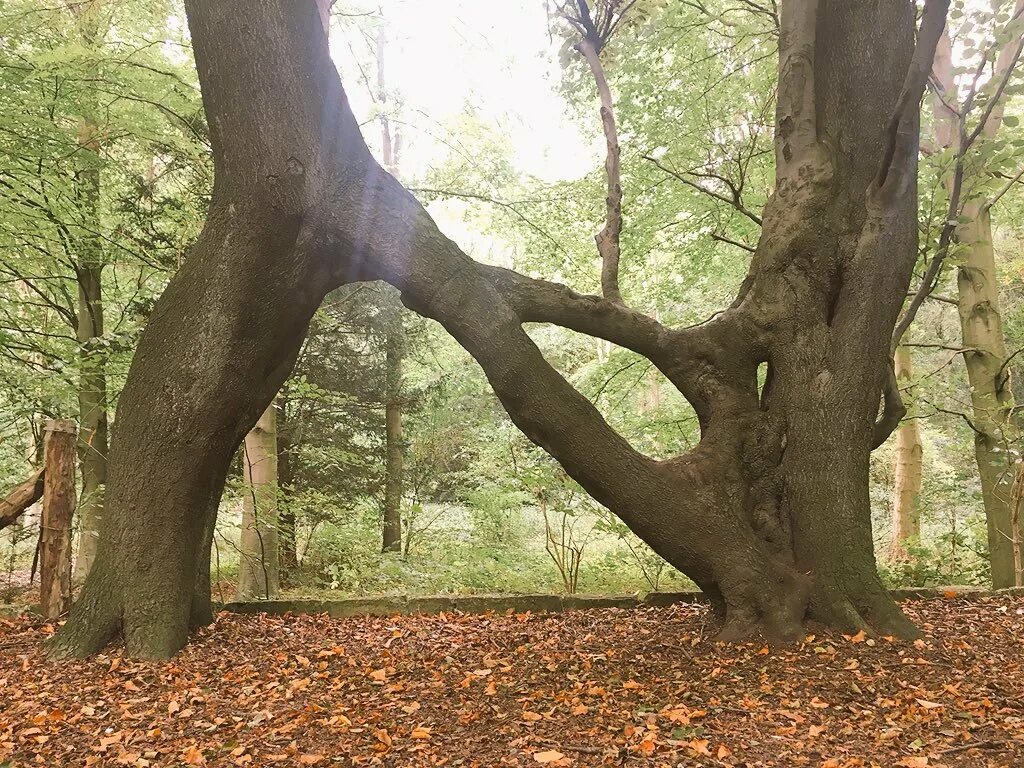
301 206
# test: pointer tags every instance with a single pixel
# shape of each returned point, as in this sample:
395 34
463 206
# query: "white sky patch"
497 59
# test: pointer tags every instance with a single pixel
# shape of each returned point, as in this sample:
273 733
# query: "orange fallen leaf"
193 756
379 675
817 730
700 746
311 759
722 752
913 762
549 756
419 732
928 704
383 737
532 716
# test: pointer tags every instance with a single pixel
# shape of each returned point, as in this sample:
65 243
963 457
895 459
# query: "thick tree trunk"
769 514
225 334
906 494
55 524
258 567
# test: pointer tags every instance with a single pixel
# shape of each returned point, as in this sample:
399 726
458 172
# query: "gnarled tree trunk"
769 514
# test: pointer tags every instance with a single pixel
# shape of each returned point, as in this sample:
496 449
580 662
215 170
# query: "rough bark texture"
258 567
906 495
55 524
21 498
769 514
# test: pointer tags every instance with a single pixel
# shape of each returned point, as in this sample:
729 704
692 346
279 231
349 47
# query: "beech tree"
769 514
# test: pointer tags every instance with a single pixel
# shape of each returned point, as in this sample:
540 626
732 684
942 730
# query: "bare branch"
736 201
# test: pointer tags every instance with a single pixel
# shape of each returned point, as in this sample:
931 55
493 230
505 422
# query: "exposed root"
82 636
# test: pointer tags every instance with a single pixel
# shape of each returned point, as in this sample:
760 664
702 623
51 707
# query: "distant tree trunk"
393 433
394 343
55 525
92 386
258 568
906 495
769 514
288 553
981 322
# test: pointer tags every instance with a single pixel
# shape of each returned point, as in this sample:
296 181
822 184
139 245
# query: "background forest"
386 464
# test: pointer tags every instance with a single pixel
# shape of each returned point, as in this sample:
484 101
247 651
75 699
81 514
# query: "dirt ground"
642 687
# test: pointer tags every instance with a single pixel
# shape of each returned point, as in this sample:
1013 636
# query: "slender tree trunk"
258 568
394 343
393 434
981 322
906 495
285 481
58 509
991 396
769 513
92 386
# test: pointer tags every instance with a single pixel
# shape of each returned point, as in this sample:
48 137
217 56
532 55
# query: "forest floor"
643 687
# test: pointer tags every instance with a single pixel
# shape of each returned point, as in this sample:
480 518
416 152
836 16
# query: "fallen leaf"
550 756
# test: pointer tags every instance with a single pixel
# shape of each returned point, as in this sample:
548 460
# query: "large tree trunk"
769 514
906 494
258 567
225 334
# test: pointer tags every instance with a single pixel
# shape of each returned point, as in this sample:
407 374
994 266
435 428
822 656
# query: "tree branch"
899 143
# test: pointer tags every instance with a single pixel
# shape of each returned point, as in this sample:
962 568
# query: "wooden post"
58 508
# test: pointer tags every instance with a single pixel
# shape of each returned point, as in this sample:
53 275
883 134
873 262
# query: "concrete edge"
527 603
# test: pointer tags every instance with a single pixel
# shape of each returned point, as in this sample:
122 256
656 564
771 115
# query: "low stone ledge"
539 603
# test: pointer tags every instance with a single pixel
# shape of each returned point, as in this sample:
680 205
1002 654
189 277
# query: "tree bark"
992 401
258 567
244 297
92 385
981 323
287 552
906 495
769 513
394 342
55 525
21 498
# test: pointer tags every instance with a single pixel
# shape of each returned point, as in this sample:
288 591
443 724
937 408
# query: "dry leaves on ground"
646 687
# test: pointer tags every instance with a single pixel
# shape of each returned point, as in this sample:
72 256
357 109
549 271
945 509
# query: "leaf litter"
641 687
